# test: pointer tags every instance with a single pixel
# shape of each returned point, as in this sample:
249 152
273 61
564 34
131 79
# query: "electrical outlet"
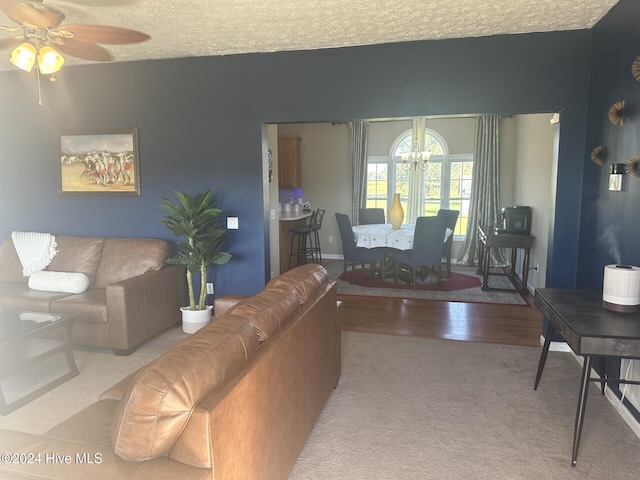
537 269
273 214
330 238
209 288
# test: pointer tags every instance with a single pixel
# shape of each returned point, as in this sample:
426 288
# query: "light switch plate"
232 223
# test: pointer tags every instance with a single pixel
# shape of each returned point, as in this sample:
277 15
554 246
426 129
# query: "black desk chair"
371 216
353 254
452 219
427 248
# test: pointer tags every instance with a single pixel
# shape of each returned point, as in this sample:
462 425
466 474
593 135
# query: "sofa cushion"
157 404
10 266
269 309
69 282
306 280
123 258
25 299
8 287
87 307
77 254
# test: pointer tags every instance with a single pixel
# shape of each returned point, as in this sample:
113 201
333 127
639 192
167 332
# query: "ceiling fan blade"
84 50
102 34
32 13
10 42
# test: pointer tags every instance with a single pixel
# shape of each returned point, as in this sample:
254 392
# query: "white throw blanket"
35 250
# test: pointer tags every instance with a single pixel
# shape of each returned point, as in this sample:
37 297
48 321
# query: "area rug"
422 409
457 281
464 286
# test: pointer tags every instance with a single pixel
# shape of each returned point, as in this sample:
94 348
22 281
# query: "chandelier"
418 157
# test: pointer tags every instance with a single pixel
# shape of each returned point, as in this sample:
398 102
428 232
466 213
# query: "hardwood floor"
474 322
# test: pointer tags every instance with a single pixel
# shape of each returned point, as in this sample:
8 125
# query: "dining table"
379 235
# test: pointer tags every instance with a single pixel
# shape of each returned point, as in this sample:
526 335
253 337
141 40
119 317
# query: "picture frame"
100 162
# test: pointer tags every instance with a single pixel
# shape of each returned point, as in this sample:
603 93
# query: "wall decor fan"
41 39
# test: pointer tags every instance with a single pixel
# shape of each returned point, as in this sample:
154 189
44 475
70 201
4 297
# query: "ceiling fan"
41 39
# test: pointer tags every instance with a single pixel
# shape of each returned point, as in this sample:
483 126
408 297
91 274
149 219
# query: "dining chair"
370 216
427 248
353 254
452 216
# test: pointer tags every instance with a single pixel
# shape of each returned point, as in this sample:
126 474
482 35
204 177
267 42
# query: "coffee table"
28 338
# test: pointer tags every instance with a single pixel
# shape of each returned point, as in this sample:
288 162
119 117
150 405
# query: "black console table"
488 239
590 331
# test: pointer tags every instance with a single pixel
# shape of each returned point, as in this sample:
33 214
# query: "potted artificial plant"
196 219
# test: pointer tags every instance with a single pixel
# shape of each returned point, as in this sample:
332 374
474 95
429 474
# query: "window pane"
402 187
433 145
460 193
461 174
431 208
464 221
433 181
377 185
447 181
402 183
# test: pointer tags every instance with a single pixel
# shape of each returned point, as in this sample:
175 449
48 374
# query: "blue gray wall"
610 223
610 226
200 123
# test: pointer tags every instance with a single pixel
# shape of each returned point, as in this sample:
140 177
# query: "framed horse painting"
100 163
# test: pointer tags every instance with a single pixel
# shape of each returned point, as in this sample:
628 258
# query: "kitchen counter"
290 216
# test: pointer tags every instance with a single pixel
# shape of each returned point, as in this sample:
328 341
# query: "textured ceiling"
188 28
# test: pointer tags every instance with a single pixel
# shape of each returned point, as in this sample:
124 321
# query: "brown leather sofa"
133 294
236 400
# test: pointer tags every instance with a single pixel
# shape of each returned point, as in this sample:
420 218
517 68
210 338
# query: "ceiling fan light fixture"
24 56
49 60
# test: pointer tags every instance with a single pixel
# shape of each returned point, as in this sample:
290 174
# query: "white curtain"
485 189
415 204
359 136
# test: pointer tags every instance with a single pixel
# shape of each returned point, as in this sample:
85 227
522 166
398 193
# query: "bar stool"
302 236
316 225
307 239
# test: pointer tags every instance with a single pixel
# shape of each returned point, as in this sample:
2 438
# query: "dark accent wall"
610 226
200 126
610 221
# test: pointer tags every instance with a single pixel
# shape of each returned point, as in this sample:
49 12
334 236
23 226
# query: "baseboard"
623 411
531 289
556 346
613 399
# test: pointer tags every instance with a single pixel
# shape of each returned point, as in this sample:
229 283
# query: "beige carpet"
422 409
470 295
419 409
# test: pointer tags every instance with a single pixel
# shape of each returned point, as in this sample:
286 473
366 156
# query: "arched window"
446 182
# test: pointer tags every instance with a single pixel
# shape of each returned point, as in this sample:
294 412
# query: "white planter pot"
194 320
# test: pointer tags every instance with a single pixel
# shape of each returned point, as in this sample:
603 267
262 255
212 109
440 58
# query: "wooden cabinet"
289 162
